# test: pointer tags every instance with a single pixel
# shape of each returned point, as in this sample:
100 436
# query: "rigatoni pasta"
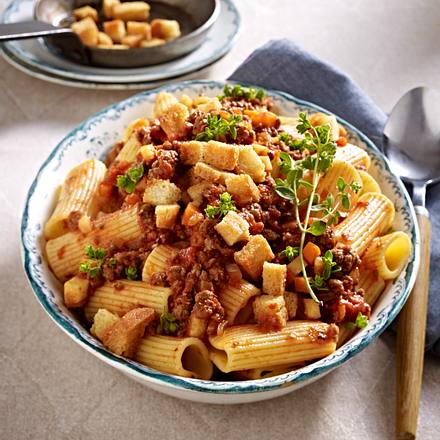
225 235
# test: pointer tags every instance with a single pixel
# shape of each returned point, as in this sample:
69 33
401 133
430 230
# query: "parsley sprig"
218 128
129 180
93 266
360 322
290 253
293 144
225 205
131 273
240 92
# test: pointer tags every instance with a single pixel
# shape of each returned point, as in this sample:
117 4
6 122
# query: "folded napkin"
282 65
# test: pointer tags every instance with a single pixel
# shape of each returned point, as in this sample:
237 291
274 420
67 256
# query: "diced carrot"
310 252
132 199
266 119
342 131
192 215
300 285
342 141
236 111
224 114
105 190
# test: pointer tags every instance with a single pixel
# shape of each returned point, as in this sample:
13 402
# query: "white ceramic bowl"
92 139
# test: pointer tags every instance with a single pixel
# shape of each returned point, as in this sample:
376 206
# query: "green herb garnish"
131 273
93 267
168 324
290 253
293 144
330 266
219 128
225 205
241 92
360 322
129 180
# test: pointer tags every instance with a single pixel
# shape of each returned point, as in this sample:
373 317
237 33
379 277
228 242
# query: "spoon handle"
411 341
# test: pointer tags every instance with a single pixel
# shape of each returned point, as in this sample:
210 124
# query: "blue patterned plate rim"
103 77
344 353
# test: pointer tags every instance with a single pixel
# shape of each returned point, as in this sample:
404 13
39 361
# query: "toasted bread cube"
242 188
253 255
107 6
165 29
115 29
104 39
132 40
161 192
102 321
206 172
212 104
294 269
261 150
196 192
131 11
250 163
220 155
173 121
270 312
267 163
139 28
311 309
291 300
123 337
163 102
153 42
87 31
85 11
118 47
233 228
166 216
192 152
196 326
148 153
76 291
274 278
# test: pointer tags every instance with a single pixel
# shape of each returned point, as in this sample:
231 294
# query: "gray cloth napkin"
282 65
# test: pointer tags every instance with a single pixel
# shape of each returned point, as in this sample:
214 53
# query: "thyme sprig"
217 128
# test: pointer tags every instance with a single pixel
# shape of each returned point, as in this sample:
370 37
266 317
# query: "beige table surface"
52 389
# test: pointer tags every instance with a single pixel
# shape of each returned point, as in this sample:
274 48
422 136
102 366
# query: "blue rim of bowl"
44 67
344 353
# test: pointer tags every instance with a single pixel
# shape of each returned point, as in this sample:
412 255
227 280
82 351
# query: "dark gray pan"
53 18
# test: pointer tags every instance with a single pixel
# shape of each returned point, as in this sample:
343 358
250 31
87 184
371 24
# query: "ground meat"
213 193
326 241
199 122
116 262
73 219
245 136
208 307
346 259
164 167
159 279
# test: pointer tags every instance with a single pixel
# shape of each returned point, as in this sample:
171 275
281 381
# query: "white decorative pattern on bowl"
91 140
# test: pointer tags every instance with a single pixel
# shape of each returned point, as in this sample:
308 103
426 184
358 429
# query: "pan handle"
30 29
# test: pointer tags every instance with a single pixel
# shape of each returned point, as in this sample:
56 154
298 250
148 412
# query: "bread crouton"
132 41
107 6
104 39
131 11
253 255
139 28
165 29
87 31
166 216
152 42
85 11
274 278
270 312
123 337
163 102
242 188
191 152
115 29
233 228
210 174
250 163
161 192
196 192
311 309
173 121
76 292
147 153
220 155
267 163
291 300
102 321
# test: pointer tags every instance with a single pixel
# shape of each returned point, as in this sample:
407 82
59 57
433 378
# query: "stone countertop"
50 388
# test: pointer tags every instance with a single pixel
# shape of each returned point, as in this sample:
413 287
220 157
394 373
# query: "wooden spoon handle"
411 342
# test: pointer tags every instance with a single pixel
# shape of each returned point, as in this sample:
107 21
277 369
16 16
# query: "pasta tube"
263 373
66 252
186 357
124 295
388 254
369 184
157 261
164 101
129 150
77 197
245 347
235 298
372 216
354 155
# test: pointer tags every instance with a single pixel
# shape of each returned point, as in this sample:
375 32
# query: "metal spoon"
412 143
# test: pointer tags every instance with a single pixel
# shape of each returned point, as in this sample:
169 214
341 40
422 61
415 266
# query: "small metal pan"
53 18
